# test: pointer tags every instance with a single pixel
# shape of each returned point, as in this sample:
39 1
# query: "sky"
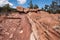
24 3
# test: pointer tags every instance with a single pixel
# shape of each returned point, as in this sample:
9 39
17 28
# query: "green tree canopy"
6 8
36 6
52 8
31 4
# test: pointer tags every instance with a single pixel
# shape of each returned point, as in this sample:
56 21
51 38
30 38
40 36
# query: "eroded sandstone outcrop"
44 26
26 10
34 25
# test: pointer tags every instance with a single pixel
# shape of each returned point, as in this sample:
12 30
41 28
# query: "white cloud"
10 4
14 7
3 2
21 1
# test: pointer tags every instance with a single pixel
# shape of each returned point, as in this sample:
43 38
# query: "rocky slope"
34 25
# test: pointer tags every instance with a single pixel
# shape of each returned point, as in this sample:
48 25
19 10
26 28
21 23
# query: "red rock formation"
34 25
45 26
19 8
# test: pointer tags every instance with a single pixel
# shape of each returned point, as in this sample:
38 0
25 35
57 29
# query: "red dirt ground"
31 26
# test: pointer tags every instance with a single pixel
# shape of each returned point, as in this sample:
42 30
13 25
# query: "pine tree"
36 6
6 8
31 4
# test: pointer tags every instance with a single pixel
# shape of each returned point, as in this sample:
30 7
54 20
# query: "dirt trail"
15 28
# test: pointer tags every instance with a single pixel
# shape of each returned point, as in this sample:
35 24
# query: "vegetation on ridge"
31 6
52 8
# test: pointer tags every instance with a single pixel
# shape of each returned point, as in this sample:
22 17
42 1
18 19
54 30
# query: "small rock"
11 36
21 31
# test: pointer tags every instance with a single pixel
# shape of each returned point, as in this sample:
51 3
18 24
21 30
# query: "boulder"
34 10
26 10
20 9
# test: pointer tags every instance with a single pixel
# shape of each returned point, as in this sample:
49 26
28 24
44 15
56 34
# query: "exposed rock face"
26 10
19 8
34 25
44 26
